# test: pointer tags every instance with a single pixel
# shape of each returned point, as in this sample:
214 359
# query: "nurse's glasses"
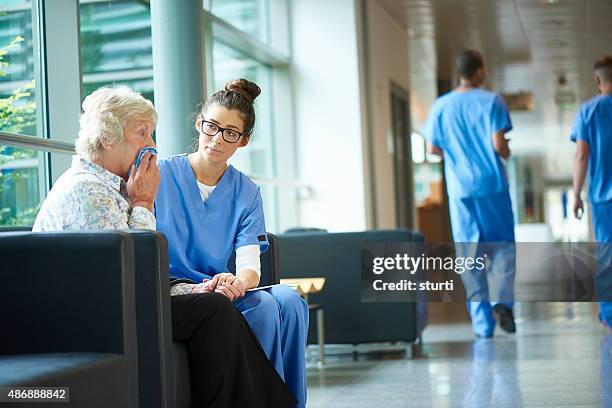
211 129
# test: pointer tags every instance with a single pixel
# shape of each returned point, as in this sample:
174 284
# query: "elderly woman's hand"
200 288
143 183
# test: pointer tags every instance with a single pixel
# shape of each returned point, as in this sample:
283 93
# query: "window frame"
58 77
287 188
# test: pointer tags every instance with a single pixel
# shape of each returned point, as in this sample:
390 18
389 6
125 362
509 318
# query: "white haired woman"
104 189
96 193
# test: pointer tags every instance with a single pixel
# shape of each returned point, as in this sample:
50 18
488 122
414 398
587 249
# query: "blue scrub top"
593 124
462 124
202 235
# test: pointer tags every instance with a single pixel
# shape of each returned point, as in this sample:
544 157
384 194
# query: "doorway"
402 157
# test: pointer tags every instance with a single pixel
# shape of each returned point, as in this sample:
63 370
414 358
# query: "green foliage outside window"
17 115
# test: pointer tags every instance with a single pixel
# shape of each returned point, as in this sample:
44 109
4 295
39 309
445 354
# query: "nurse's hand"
230 291
143 183
578 207
228 285
219 279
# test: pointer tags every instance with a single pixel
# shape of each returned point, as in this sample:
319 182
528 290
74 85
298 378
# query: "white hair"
105 112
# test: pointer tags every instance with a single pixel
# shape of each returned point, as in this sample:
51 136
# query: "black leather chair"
163 364
304 230
67 315
136 259
337 257
157 366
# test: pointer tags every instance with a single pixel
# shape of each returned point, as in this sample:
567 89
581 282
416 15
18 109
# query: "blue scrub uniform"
593 124
462 124
201 238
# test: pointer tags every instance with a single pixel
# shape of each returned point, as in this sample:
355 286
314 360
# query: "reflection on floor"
559 358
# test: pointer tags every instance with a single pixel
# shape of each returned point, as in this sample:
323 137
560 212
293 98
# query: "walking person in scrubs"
208 209
592 133
467 127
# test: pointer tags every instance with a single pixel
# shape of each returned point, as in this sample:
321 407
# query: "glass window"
250 16
426 176
230 64
19 186
418 147
257 159
17 96
20 169
558 207
116 45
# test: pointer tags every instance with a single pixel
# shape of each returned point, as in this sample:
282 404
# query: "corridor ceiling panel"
546 47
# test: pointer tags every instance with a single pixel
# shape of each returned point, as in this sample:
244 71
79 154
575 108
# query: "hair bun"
245 88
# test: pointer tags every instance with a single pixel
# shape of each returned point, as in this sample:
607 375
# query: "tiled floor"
559 358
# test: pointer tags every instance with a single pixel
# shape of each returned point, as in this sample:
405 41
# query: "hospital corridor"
558 358
305 203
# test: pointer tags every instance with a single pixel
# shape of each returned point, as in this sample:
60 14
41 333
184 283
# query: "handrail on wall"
46 145
36 143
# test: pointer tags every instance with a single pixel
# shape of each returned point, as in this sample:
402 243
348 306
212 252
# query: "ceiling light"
549 1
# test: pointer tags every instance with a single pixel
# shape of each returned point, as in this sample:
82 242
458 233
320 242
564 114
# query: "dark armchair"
164 371
337 257
67 315
95 308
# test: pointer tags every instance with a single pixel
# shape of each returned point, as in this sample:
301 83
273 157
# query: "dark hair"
603 68
239 95
468 62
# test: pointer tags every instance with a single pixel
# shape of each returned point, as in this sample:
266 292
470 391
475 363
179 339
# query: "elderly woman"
103 189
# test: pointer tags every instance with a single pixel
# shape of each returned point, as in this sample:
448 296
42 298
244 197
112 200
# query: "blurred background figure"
468 128
592 133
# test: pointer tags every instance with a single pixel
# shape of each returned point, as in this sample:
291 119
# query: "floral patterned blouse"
89 197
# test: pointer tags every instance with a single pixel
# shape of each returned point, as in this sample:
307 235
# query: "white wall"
388 62
327 113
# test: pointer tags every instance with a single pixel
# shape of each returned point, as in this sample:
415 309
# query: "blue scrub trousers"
601 216
486 219
279 318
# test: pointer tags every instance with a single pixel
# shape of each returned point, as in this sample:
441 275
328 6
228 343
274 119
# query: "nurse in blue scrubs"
592 133
467 127
208 209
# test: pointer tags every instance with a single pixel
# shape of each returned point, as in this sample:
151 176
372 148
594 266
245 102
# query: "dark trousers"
227 365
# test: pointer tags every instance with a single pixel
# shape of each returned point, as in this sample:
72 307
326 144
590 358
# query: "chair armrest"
270 270
67 292
154 319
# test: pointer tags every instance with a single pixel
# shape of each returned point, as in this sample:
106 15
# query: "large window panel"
142 85
21 169
17 93
230 64
249 16
19 186
116 47
258 158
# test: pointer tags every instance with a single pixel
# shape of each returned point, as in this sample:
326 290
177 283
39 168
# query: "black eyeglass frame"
222 130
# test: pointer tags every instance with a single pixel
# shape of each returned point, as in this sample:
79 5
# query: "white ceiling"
527 45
